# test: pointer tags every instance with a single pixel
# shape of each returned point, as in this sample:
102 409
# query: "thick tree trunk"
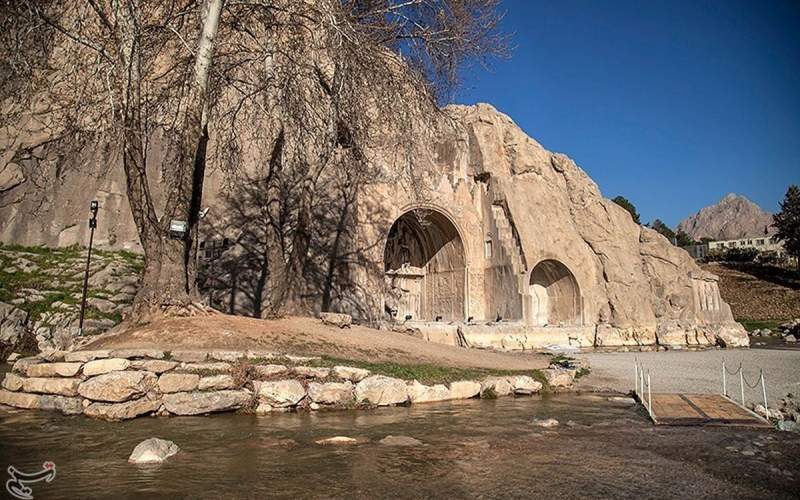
169 282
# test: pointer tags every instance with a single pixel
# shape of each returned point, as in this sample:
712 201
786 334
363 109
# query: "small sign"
178 228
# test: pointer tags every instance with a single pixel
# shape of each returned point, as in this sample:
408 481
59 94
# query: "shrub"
741 254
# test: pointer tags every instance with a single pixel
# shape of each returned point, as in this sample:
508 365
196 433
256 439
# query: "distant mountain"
733 217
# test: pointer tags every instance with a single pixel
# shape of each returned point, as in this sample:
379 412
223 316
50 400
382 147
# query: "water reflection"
483 449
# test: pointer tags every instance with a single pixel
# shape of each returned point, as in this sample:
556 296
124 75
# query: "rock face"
732 218
503 229
153 450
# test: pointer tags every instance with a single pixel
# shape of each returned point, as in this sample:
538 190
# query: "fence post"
649 396
764 392
741 382
724 380
636 379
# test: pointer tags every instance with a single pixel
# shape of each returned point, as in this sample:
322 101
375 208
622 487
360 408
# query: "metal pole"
92 225
741 382
649 395
724 380
764 392
636 377
641 383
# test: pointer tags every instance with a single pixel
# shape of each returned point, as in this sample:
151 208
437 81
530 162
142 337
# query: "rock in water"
400 441
546 422
153 451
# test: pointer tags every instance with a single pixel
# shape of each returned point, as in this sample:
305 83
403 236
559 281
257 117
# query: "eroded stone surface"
12 382
178 382
350 373
123 411
157 366
116 387
48 385
216 383
281 393
66 405
332 393
53 369
197 403
382 391
100 366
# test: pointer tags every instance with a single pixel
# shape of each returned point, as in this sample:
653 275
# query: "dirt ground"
755 293
297 335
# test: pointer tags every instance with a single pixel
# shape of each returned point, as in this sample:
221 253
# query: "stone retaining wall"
128 383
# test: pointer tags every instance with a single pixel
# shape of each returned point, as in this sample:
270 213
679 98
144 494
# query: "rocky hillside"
40 294
733 217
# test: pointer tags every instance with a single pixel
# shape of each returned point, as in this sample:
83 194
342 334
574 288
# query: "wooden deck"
702 409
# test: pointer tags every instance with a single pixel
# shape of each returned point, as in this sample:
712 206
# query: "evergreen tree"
787 222
664 229
627 205
683 239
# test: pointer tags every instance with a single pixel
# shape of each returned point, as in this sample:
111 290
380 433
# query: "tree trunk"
169 281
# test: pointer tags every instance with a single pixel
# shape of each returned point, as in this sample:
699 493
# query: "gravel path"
698 371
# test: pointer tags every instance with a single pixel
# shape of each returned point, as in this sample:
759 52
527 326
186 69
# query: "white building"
764 243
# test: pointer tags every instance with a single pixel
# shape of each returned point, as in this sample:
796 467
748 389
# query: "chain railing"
744 382
642 381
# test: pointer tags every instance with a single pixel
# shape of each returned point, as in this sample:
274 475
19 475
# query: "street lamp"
93 207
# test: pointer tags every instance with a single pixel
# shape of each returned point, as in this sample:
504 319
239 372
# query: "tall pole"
93 206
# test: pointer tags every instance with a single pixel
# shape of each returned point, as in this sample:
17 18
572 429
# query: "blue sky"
672 104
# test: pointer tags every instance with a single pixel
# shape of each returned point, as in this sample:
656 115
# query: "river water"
471 449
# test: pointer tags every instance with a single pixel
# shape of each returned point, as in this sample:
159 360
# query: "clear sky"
672 104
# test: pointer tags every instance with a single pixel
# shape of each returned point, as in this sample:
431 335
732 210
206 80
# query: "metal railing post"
649 396
741 382
764 392
636 376
724 380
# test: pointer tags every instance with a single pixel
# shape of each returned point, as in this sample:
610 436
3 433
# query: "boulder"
66 405
138 353
332 393
464 389
84 356
335 319
46 385
790 339
12 382
116 387
13 357
524 384
280 394
100 366
123 411
21 365
13 322
216 383
400 441
178 382
153 451
157 366
189 356
218 367
382 391
197 403
266 371
496 386
53 369
350 373
101 305
229 356
559 377
310 372
419 393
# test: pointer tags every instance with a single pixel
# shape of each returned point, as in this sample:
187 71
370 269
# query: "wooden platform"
702 409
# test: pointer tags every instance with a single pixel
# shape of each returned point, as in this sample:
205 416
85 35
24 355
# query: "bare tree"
302 91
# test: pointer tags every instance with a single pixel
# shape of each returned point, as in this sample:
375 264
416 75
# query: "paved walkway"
698 371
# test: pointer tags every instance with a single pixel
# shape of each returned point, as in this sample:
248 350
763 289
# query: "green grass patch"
423 372
757 324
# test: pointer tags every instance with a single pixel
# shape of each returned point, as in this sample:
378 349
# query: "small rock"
266 371
335 319
310 372
350 373
547 422
339 441
217 383
13 357
100 366
153 450
622 400
790 339
400 441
